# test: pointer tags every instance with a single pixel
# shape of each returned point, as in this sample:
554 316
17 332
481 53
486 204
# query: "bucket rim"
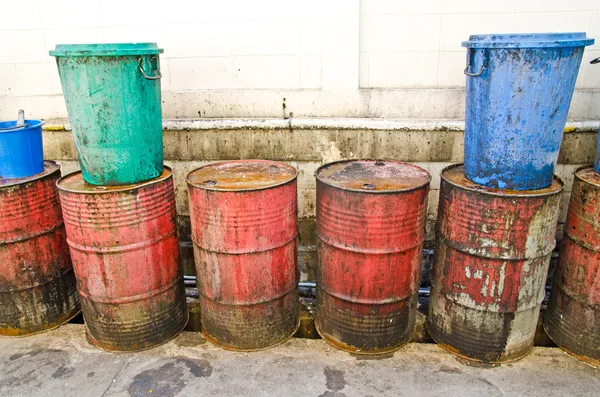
528 40
50 167
31 124
105 49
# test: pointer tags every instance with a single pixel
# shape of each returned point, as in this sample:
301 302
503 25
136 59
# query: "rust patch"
587 174
242 175
594 362
373 175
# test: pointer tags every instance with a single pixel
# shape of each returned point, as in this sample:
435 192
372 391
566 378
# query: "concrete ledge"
320 140
318 124
62 363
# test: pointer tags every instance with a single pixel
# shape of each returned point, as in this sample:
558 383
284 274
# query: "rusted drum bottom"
588 360
572 319
485 341
567 330
480 334
250 327
362 328
139 323
573 324
47 304
41 308
367 324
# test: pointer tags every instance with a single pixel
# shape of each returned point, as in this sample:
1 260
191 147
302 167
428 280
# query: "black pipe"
308 288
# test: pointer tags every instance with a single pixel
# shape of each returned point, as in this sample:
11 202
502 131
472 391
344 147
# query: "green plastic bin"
112 92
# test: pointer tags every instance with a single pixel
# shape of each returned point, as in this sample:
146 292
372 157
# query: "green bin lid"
105 50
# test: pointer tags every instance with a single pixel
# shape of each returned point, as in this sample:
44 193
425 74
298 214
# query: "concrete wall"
307 144
270 58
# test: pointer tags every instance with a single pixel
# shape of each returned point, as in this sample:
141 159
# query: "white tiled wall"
209 44
399 39
317 53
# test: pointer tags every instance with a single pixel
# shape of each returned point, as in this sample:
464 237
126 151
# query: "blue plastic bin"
519 89
21 151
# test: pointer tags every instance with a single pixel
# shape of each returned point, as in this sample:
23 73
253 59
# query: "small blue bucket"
21 151
519 89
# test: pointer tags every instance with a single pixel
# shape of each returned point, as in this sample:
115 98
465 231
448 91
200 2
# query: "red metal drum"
37 284
244 228
491 262
370 228
125 250
572 319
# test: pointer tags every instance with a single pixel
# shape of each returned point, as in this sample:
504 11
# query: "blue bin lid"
105 50
528 40
11 125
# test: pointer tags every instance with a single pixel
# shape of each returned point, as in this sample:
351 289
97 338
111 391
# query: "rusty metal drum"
37 284
125 250
492 256
370 231
244 229
572 319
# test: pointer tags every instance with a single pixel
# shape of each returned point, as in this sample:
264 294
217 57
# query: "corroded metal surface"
123 241
244 229
573 316
37 284
491 261
370 228
242 175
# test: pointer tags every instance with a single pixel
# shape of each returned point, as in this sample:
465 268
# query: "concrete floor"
62 363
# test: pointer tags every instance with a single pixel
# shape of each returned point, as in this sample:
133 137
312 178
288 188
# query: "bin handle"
15 127
483 67
595 61
144 73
